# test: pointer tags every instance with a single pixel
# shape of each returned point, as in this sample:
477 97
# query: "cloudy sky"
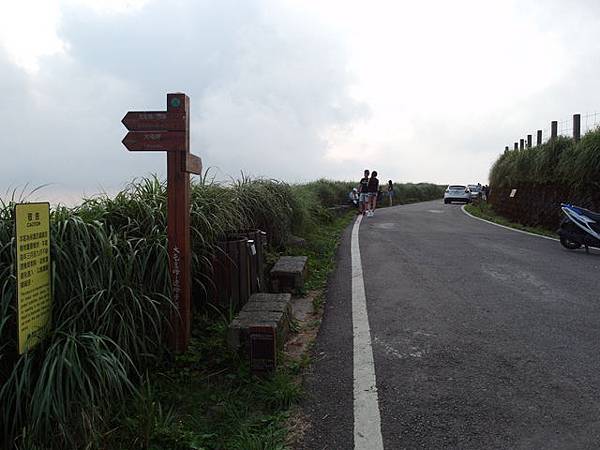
289 89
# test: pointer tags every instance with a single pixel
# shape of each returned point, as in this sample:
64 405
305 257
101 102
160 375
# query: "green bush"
560 162
421 192
111 295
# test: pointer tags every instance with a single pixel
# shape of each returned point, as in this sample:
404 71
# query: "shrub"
560 162
111 294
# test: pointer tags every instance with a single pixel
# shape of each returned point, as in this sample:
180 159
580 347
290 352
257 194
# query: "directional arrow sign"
171 141
154 121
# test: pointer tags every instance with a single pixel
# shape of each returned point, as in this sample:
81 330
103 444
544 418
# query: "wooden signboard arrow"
144 141
170 131
154 120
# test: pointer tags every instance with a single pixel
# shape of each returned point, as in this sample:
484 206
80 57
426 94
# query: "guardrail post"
554 130
576 127
539 137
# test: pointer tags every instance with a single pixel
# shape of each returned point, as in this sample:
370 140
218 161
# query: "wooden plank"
193 164
180 255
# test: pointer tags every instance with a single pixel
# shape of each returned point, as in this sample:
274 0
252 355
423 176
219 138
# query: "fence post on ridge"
529 141
516 146
554 128
576 127
539 137
521 144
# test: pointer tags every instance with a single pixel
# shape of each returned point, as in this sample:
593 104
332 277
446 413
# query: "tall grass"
111 295
561 162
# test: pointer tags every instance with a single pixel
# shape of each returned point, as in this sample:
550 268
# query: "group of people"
366 194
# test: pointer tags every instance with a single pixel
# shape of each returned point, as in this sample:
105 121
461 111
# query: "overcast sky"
289 89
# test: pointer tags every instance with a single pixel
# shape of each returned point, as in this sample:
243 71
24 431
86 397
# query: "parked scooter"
580 227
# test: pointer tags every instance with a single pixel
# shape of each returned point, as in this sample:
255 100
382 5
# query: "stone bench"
288 273
262 310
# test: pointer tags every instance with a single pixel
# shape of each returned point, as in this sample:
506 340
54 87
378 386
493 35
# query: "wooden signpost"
170 131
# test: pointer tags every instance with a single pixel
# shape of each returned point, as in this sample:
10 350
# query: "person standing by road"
390 191
363 190
373 188
353 197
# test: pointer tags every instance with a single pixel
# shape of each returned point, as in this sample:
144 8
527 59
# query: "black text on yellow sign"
34 295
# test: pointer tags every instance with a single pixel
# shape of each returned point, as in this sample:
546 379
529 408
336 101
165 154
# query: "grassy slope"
561 162
111 297
485 211
209 399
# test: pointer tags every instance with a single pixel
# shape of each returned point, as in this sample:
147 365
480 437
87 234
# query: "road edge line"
508 228
367 419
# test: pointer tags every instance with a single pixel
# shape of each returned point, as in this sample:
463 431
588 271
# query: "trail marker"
144 141
170 131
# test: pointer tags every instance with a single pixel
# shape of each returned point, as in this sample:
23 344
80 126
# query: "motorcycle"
580 227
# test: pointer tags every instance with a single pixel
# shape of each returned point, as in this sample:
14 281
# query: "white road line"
508 228
367 422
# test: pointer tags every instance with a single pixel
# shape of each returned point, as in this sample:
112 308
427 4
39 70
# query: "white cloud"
28 31
264 85
110 6
29 28
294 89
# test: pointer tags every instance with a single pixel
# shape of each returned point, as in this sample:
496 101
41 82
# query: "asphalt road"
483 338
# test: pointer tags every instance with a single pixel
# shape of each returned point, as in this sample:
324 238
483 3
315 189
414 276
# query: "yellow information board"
34 296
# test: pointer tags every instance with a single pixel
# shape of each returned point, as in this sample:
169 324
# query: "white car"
457 193
475 190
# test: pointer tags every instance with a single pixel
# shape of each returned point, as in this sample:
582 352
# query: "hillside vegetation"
560 161
111 295
558 171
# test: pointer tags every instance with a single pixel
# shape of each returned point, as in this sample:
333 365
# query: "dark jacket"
373 185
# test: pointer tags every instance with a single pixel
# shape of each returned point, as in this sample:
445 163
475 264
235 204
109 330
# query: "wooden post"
178 229
521 144
516 146
170 131
529 141
576 127
554 130
539 137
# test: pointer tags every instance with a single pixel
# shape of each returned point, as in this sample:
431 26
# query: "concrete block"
262 310
289 273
